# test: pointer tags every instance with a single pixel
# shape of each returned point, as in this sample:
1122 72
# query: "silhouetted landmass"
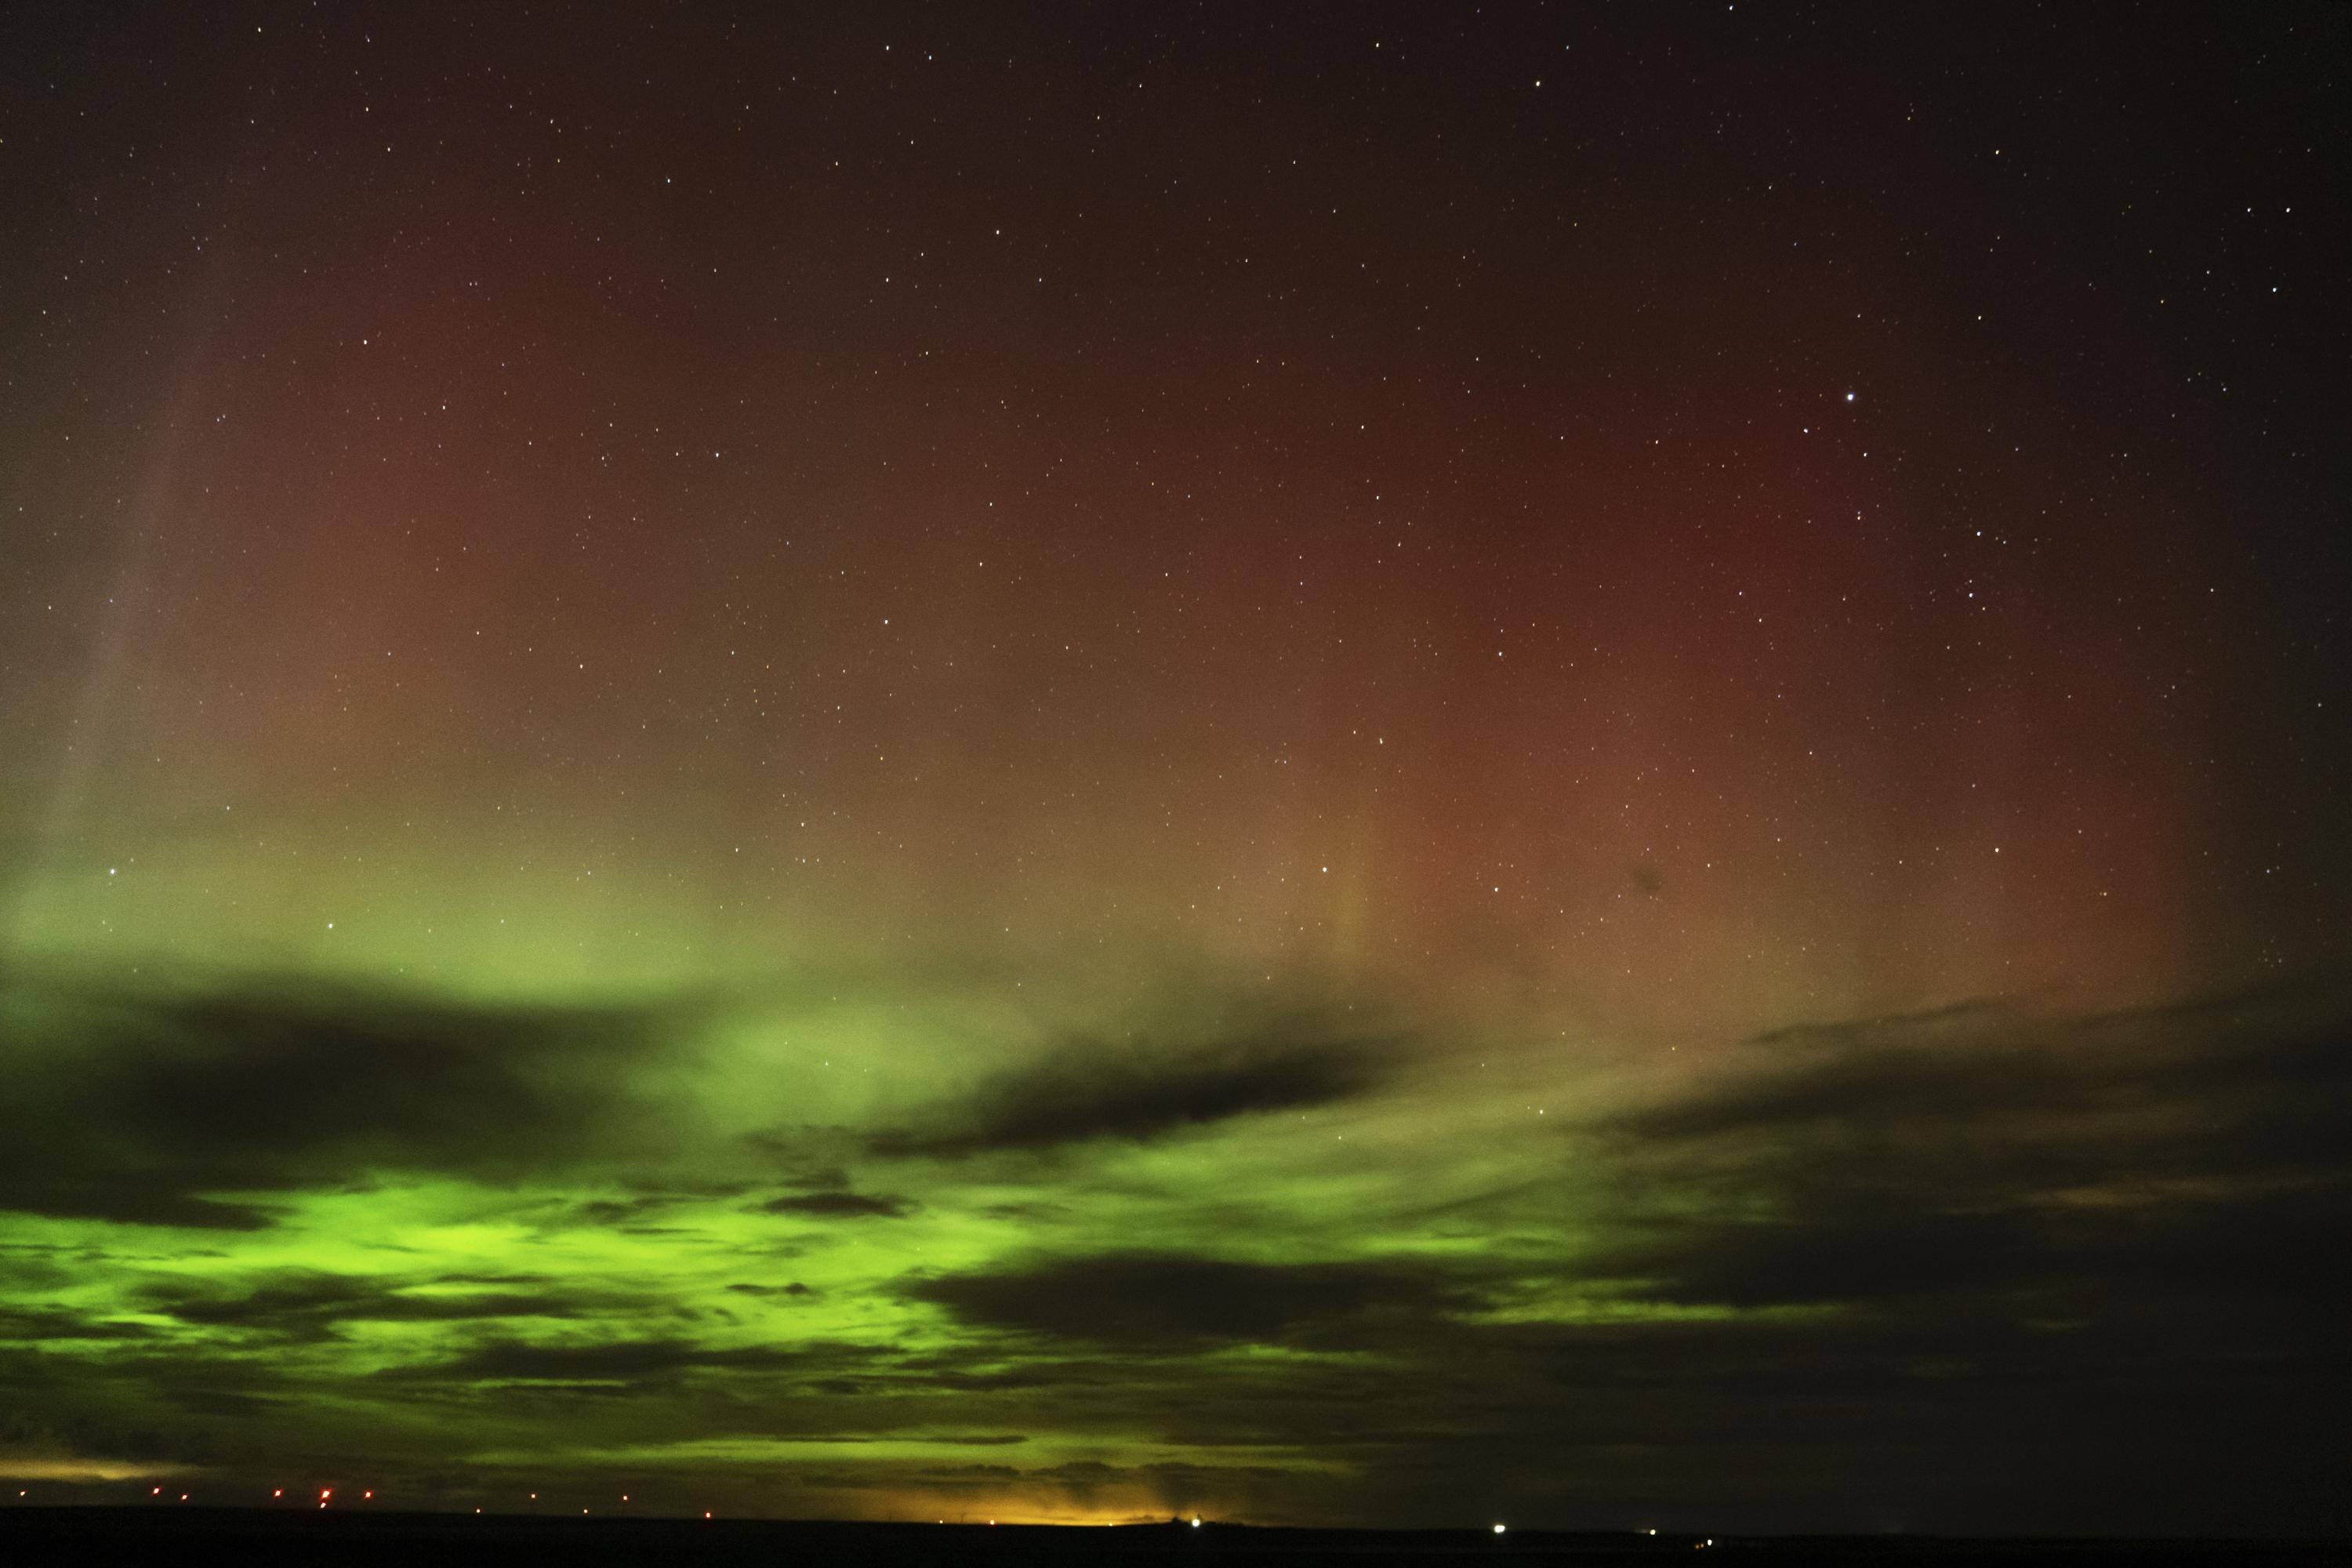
168 1534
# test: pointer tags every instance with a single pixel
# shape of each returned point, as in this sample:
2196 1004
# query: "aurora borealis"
1378 764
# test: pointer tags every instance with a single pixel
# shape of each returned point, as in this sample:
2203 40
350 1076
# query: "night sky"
1391 764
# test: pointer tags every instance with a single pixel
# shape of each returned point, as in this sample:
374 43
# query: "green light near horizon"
612 1310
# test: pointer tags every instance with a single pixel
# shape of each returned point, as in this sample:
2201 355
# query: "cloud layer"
1903 1264
137 1104
1086 1090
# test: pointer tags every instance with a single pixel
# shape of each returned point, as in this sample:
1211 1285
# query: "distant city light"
1499 1529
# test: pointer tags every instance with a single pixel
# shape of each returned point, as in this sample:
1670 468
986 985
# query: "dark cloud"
842 1206
313 1305
123 1197
1828 1259
1142 1299
26 1326
636 1214
1994 1152
2234 1068
139 1104
1094 1090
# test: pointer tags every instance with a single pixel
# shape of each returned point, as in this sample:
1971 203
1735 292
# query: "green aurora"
887 1246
